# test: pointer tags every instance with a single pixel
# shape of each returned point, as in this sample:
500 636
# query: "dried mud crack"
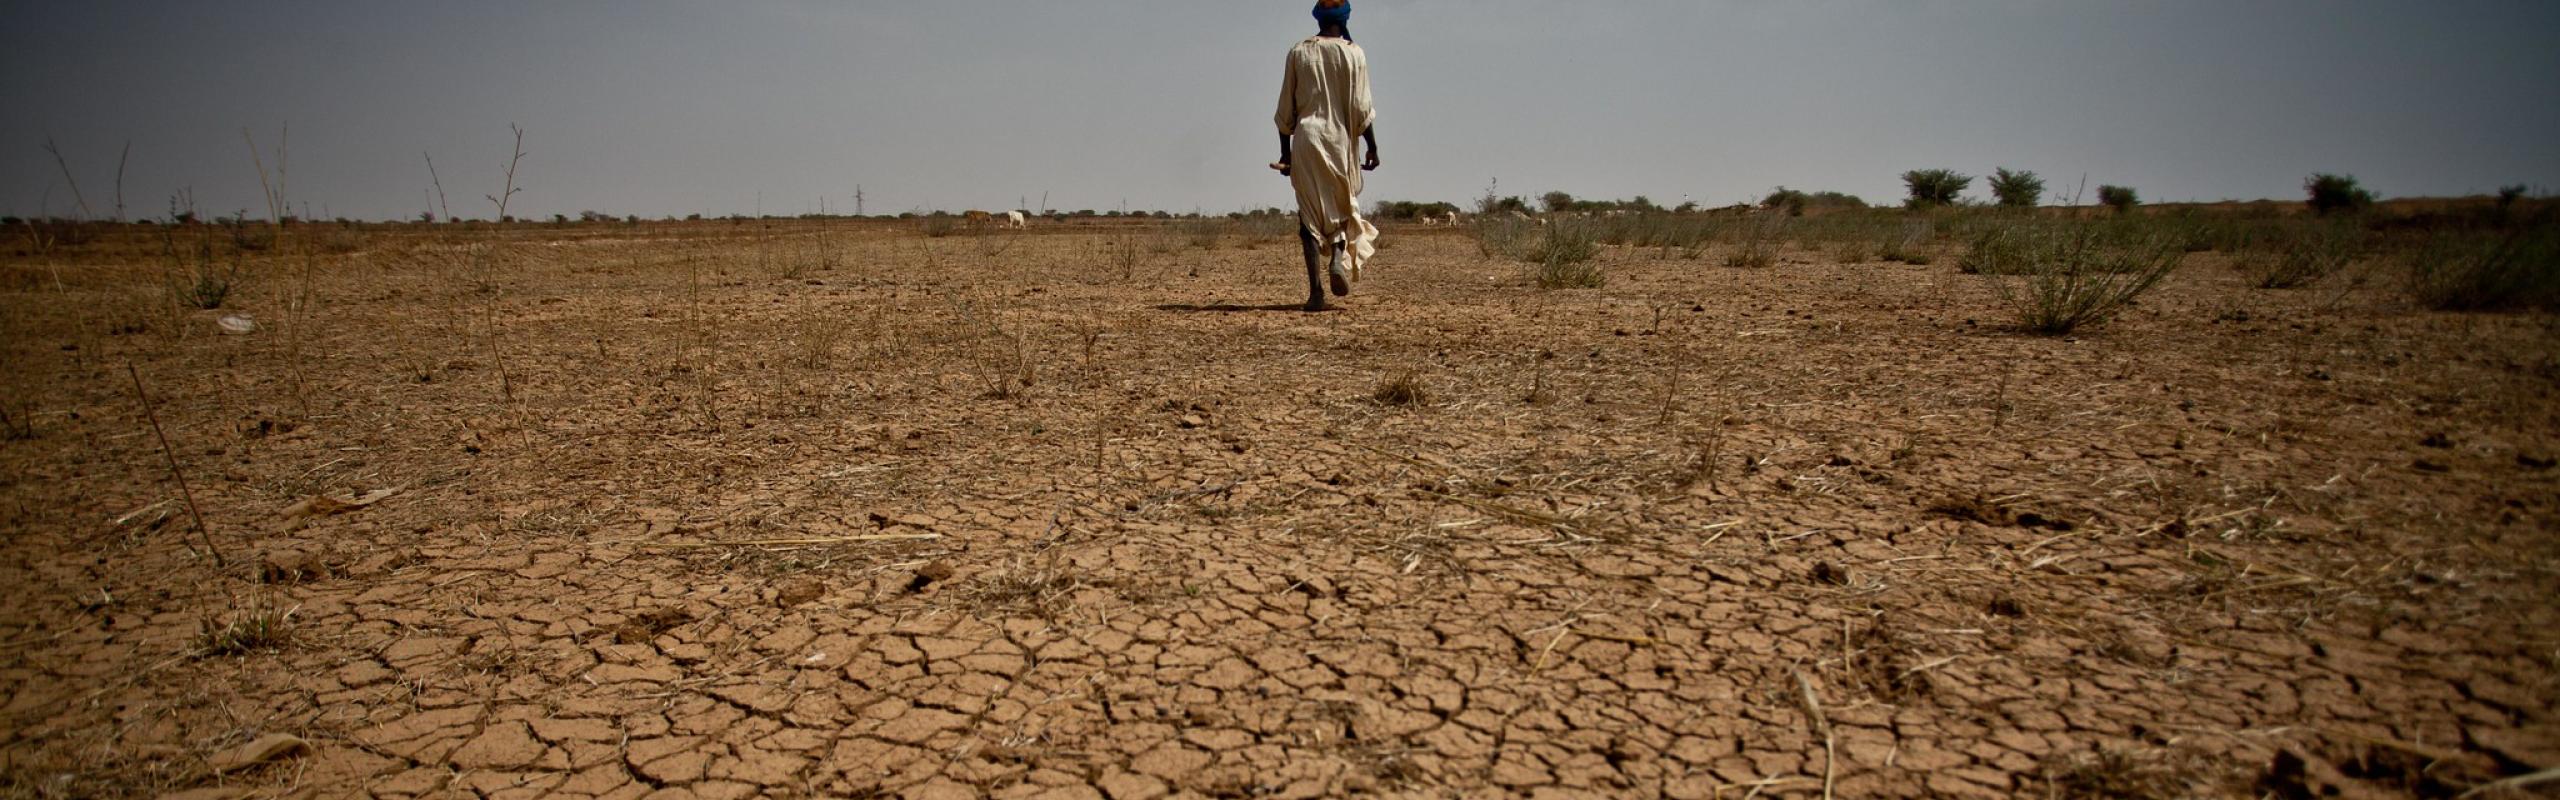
745 535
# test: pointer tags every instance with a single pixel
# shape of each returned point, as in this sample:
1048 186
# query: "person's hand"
1370 164
1281 167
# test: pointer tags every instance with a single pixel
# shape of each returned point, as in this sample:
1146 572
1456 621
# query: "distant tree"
1834 200
2120 198
1931 188
428 217
2508 195
2335 193
1490 204
1789 199
1556 201
2021 189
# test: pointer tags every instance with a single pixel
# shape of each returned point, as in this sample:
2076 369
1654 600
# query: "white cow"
1013 219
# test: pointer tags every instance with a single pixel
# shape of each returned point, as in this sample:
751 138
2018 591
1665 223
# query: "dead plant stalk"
175 473
297 307
489 297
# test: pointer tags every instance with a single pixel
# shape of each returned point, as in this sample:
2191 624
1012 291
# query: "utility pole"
857 199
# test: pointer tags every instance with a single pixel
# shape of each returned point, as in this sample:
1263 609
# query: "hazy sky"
662 107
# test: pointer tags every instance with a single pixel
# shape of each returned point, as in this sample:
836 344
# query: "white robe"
1324 108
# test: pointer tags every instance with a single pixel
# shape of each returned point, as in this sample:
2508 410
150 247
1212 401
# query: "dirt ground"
713 510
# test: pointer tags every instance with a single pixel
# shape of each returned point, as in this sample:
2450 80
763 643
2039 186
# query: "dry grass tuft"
1402 389
262 625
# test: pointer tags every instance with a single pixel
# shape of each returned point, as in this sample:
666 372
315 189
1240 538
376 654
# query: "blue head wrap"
1338 16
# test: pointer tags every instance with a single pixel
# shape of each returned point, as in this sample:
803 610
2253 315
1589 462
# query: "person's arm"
1287 115
1364 111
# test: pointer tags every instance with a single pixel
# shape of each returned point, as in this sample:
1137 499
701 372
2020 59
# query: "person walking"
1325 116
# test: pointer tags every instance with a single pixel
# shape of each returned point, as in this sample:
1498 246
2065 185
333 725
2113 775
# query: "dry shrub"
2489 271
339 241
1207 233
2304 256
818 334
1562 257
1906 243
1759 243
2075 274
1503 236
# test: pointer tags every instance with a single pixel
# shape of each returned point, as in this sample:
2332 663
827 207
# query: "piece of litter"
237 323
264 749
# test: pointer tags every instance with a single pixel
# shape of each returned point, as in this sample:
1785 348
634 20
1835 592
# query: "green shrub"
2120 198
2481 271
2331 194
2067 276
2021 189
1931 188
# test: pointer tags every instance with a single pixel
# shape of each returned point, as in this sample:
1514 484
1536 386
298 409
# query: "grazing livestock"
1015 220
976 218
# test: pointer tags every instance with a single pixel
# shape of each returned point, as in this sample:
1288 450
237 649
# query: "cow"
976 218
1015 220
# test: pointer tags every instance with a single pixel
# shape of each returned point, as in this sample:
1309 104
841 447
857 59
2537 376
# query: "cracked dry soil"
1008 516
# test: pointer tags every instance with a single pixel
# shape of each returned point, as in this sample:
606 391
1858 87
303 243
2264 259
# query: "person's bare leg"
1315 281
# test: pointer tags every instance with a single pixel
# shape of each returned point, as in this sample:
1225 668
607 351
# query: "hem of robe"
1358 237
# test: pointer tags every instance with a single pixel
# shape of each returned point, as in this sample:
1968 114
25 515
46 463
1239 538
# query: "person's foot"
1341 278
1317 303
